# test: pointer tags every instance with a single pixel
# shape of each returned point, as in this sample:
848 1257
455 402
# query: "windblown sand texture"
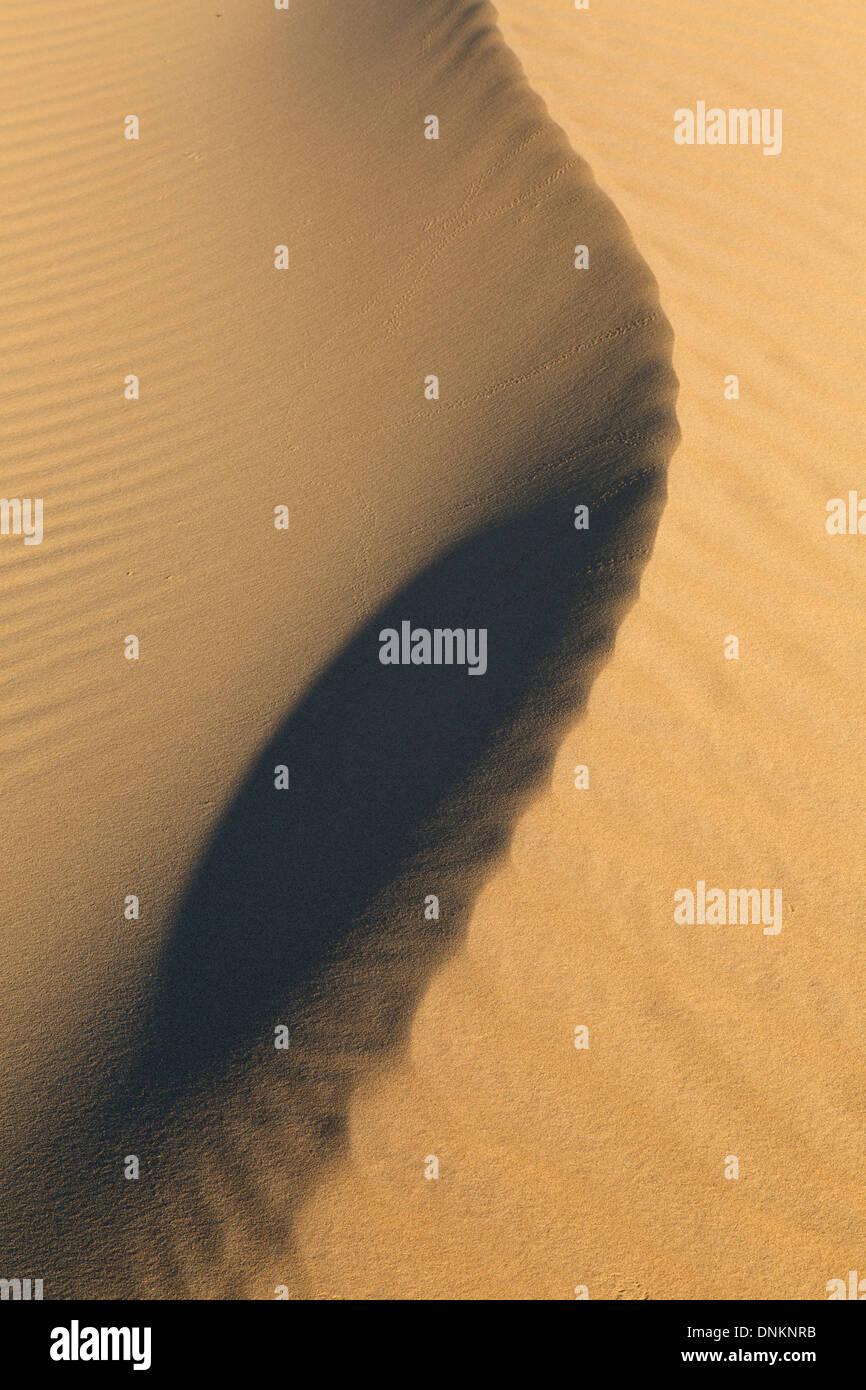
304 387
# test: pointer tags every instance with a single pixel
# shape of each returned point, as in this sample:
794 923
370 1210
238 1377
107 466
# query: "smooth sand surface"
304 387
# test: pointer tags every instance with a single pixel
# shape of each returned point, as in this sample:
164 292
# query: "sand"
605 1169
305 1169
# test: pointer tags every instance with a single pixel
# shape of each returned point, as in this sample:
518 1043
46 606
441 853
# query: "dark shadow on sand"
308 908
375 755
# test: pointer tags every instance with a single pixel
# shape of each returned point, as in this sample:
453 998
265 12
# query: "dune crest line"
484 259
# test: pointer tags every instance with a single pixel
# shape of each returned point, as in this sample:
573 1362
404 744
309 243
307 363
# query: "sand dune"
558 1168
263 387
606 1168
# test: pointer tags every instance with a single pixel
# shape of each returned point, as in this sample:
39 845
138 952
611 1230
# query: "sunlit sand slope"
605 1168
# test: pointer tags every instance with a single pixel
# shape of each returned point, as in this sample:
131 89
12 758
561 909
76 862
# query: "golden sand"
605 1168
558 1167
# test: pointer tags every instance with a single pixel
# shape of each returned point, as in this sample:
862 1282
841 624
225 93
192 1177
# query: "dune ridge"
606 1169
303 388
